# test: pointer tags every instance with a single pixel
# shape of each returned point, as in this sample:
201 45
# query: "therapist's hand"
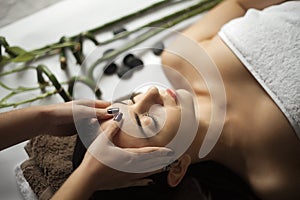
60 117
93 175
143 160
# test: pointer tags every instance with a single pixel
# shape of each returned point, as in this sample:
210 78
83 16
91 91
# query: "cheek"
171 126
124 140
146 121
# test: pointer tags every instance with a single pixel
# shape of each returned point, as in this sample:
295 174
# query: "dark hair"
203 181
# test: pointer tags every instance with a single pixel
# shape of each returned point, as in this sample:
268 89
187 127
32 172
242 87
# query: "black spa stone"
110 69
124 72
132 61
158 48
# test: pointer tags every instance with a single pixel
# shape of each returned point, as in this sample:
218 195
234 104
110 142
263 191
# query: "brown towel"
49 163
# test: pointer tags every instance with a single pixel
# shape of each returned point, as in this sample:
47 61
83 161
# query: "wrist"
90 176
96 173
86 180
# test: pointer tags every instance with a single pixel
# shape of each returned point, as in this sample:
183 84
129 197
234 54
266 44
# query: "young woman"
260 137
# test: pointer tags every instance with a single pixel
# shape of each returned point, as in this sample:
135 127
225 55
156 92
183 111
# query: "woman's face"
152 118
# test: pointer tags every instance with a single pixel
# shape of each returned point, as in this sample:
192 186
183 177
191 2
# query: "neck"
225 150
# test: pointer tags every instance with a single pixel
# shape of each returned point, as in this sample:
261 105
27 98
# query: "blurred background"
12 10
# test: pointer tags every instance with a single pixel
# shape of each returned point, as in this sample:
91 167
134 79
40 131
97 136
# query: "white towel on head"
268 44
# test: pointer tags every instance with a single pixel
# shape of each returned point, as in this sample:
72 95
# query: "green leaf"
65 44
46 49
14 51
3 41
24 57
4 60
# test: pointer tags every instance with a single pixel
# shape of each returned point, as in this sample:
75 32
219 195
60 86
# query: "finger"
92 103
85 102
101 104
82 111
160 151
142 149
102 114
112 129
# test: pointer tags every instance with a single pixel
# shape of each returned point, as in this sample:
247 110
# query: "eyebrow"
155 122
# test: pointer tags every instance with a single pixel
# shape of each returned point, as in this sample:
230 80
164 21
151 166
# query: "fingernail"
112 110
118 117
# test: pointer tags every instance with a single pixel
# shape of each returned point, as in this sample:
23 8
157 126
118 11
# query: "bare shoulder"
258 4
270 146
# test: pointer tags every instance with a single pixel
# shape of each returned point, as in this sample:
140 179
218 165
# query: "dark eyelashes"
138 121
154 119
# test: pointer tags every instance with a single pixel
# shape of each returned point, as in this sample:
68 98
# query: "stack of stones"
130 61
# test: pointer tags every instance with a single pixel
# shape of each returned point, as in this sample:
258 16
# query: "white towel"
268 44
24 187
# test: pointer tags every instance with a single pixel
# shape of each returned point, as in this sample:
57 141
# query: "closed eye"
136 116
155 122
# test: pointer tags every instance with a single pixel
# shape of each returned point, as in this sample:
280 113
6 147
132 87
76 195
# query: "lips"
172 94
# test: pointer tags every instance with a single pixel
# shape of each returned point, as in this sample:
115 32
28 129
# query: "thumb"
158 151
112 128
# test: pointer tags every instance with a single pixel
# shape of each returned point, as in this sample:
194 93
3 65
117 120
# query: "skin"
57 119
167 124
257 141
141 104
265 155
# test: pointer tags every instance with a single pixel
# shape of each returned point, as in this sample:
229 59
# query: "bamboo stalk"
116 21
155 22
18 69
206 5
56 84
16 91
21 89
165 22
87 81
129 16
53 49
42 96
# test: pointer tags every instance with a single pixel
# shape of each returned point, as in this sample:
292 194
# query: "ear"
178 170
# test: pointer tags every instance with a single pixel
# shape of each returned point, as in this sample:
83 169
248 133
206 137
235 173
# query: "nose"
151 97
